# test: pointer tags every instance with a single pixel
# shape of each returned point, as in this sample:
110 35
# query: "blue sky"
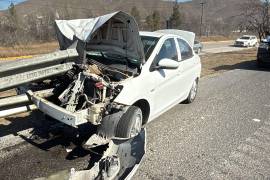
5 3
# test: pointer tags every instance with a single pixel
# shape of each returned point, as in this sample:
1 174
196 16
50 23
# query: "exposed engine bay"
91 88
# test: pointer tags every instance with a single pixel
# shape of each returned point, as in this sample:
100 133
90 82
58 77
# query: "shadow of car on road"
46 134
53 146
245 65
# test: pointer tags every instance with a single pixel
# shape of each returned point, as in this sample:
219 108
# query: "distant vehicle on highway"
246 41
197 46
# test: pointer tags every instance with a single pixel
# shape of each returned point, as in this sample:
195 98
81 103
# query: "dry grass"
26 50
217 38
221 62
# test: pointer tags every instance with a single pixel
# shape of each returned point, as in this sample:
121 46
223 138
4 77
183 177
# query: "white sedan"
246 41
169 76
117 81
140 75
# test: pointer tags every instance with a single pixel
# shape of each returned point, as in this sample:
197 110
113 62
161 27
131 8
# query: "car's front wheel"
130 124
193 92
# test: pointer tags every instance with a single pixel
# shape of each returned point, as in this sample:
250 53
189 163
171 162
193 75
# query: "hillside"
213 8
84 8
36 17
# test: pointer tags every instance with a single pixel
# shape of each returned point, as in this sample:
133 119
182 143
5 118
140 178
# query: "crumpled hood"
117 33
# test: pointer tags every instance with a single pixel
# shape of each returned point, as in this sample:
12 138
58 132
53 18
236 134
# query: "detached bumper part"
120 161
59 113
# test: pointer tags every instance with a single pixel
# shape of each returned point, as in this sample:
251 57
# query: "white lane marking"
256 120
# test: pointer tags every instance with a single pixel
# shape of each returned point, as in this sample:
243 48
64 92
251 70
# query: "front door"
165 91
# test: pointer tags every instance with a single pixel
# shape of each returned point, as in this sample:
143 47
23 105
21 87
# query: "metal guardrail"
19 72
12 81
46 60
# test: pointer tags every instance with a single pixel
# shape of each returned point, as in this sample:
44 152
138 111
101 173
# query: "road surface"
220 46
224 134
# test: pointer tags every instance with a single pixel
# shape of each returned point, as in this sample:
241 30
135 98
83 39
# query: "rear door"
188 63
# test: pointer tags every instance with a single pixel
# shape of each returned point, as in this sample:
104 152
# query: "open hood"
117 33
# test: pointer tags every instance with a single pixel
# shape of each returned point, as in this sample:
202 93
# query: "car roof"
248 36
152 34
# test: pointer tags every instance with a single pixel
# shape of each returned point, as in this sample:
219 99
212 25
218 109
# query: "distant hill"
213 8
218 14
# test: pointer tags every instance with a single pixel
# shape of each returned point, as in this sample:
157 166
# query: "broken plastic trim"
120 161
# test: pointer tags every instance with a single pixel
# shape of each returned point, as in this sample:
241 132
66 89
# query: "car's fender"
134 90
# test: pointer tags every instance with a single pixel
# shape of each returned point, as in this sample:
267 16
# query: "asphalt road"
224 134
220 46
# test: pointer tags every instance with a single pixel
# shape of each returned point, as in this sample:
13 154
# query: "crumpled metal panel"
68 31
126 155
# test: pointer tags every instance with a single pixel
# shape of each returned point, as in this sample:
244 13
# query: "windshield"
113 60
149 43
245 37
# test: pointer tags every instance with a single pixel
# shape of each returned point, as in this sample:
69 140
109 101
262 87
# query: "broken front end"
78 87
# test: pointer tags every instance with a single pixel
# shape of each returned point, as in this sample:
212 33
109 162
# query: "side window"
185 49
168 50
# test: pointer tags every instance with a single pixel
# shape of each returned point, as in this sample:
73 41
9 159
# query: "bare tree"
153 21
136 14
255 17
175 20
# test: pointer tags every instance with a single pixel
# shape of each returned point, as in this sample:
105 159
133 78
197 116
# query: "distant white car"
246 41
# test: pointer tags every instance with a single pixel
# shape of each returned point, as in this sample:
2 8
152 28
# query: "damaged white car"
117 79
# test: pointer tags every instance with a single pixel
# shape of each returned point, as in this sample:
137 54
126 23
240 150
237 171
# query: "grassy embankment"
26 51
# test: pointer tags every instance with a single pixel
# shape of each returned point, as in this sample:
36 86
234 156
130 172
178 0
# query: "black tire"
130 124
191 97
259 64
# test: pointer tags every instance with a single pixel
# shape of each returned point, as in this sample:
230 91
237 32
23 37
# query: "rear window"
245 37
149 44
185 49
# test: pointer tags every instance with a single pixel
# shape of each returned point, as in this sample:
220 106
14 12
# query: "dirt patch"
221 62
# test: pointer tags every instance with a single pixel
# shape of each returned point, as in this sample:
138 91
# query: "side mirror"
167 64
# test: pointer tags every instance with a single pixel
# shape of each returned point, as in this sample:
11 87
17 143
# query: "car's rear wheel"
193 92
130 124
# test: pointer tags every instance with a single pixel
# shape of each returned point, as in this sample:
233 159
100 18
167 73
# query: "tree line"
253 17
40 28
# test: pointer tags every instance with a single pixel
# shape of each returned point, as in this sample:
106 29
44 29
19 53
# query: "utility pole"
267 14
202 8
